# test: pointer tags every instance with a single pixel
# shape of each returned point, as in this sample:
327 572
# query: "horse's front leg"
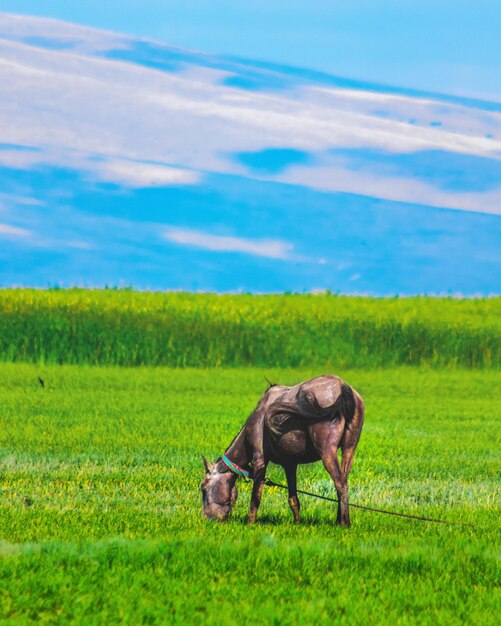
291 473
259 476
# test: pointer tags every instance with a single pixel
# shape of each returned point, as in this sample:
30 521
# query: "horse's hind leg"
351 435
326 437
331 464
290 473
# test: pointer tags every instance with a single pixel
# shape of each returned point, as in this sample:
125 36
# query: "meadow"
100 504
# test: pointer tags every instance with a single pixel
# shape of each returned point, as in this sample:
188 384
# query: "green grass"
205 330
100 508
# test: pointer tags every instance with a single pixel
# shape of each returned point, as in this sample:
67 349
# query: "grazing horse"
289 426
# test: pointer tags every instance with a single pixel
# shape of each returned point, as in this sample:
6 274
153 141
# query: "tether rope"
270 483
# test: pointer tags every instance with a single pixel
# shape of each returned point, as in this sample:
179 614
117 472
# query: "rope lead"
270 483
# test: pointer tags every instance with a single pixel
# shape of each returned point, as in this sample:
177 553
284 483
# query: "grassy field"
100 508
116 327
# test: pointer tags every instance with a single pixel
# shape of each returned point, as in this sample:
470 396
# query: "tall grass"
182 329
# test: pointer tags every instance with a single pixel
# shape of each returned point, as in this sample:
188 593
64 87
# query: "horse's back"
323 390
318 399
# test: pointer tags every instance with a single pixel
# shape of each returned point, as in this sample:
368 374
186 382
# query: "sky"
127 161
450 46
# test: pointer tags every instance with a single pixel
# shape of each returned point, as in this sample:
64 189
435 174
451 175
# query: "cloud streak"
137 174
146 127
6 230
269 248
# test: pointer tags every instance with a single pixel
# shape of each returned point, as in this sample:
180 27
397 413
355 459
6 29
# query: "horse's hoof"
343 523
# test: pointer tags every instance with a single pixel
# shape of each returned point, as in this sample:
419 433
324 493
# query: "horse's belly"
297 445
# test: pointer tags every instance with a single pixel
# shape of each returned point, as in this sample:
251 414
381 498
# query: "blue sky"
134 162
450 46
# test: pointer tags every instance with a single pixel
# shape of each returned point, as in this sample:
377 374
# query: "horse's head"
219 492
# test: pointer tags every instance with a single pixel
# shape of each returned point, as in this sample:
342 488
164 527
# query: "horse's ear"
206 464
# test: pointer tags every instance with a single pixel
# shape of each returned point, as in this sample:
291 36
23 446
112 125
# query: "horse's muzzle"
216 513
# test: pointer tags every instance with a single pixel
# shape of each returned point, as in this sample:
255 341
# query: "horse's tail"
348 403
306 408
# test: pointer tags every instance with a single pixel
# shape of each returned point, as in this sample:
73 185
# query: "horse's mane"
270 384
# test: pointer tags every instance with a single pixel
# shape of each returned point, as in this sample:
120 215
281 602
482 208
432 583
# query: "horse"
305 423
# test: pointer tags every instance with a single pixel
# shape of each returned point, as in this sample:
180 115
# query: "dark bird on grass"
42 384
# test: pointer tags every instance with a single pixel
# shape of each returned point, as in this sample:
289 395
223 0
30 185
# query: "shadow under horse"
305 423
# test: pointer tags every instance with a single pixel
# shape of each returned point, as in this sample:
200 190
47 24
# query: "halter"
236 469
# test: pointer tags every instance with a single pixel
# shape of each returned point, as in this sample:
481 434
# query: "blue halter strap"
236 469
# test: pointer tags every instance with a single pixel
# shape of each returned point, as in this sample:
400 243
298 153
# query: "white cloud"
80 245
138 174
270 248
72 105
14 231
84 39
13 199
400 189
